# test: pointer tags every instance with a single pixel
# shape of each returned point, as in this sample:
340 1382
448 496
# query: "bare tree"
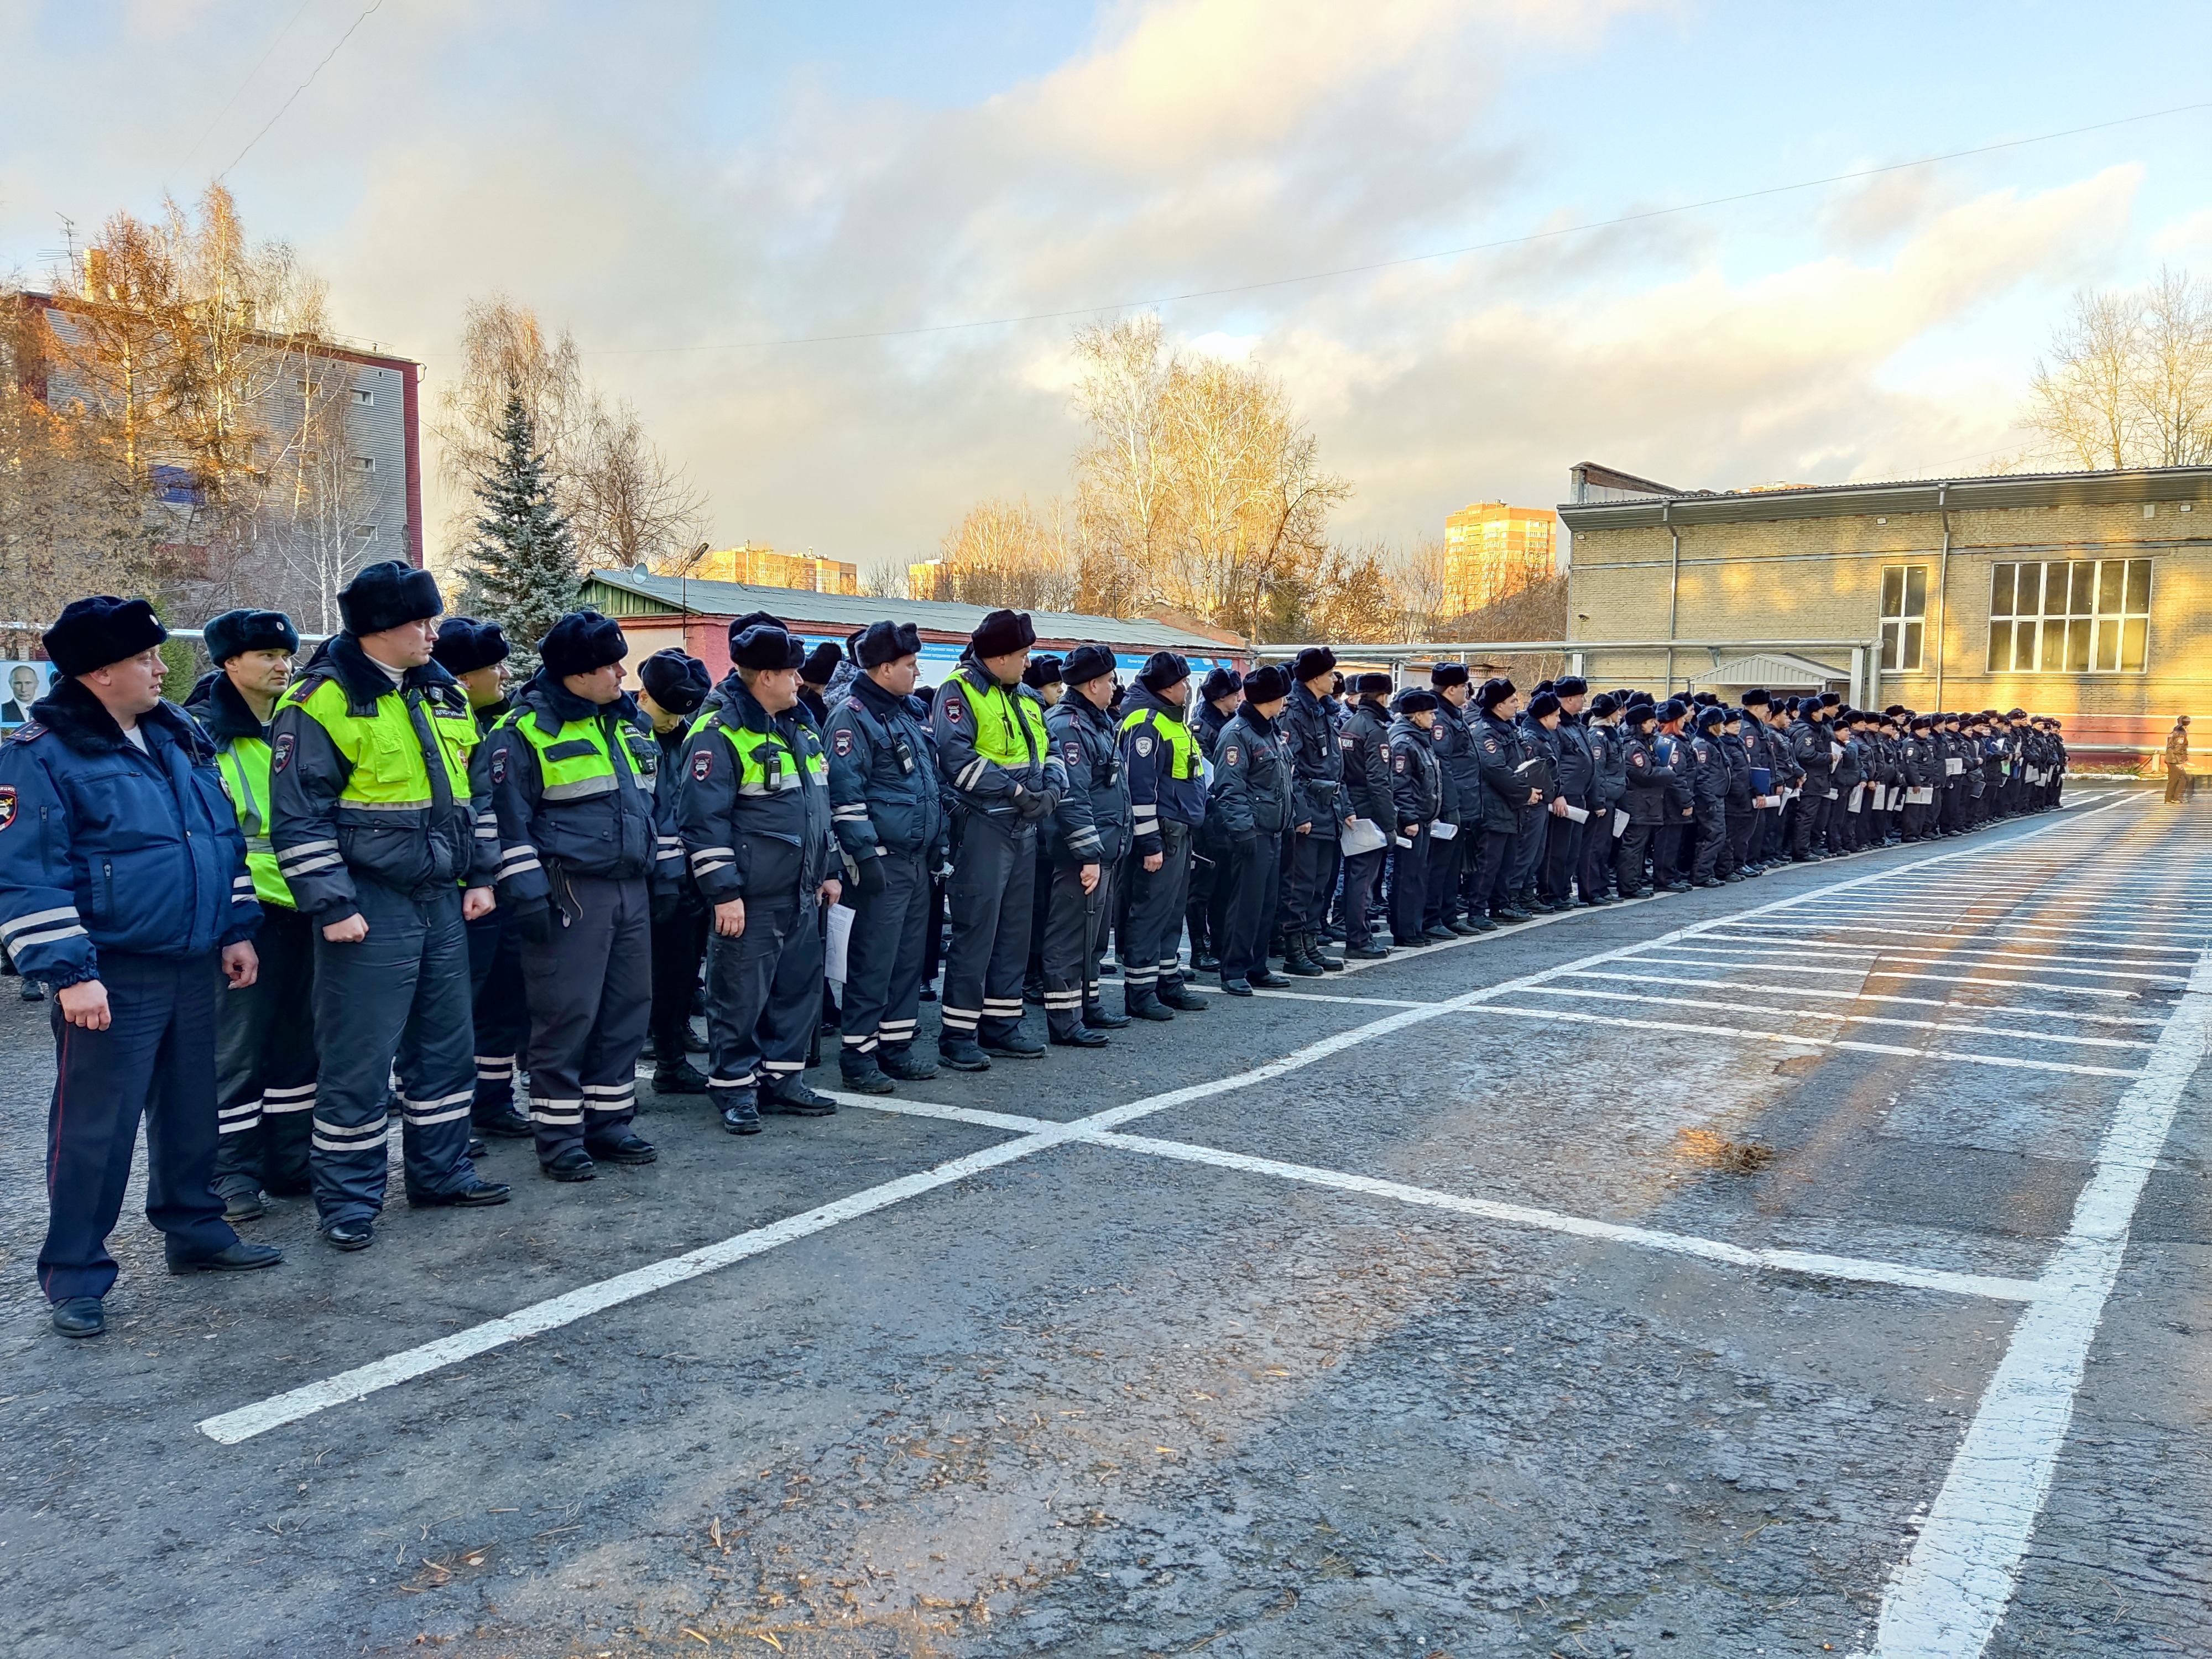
1122 472
885 580
2128 381
1007 553
628 506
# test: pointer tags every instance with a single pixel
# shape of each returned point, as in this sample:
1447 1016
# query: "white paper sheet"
1953 766
835 947
1441 830
1577 815
1620 822
1361 836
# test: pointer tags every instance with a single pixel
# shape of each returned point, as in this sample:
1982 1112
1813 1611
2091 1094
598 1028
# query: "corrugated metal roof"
2164 483
844 612
1775 670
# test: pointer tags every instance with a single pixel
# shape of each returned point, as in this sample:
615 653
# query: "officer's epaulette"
28 732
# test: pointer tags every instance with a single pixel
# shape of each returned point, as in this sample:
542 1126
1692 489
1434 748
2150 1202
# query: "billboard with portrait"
24 683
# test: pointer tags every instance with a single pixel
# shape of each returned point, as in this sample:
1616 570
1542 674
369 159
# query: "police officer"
1709 793
1499 754
887 808
1443 904
124 887
1812 746
1608 782
1042 676
1087 840
1248 811
1674 759
814 677
753 813
1575 775
1736 755
671 687
1318 774
1649 780
1218 696
476 655
1417 789
569 771
1161 760
265 1052
1364 741
992 747
377 832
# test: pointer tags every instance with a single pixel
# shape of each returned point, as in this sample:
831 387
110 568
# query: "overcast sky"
675 182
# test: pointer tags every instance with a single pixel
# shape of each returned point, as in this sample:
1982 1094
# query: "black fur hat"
1086 663
1413 701
762 648
1001 634
1221 683
821 663
581 642
677 682
1267 684
93 633
1043 670
1371 685
1163 672
1447 673
388 594
466 645
885 641
235 632
1312 663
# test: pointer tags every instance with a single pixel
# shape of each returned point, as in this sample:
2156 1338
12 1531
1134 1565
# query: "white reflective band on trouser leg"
300 1098
560 1114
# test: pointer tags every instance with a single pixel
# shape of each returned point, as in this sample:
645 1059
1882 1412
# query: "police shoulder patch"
499 764
6 805
1490 745
281 752
1072 749
842 740
1143 744
1229 755
703 762
954 705
1401 763
1347 743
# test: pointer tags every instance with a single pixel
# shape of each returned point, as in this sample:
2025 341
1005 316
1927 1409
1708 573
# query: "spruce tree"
522 564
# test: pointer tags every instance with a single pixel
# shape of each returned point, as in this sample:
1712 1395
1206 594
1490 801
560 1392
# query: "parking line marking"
1685 1027
1860 1269
1945 1600
233 1427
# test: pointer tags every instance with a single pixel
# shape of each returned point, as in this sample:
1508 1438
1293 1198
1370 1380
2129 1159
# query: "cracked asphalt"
1100 1400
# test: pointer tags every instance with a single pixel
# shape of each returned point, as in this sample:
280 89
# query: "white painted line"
1400 957
232 1427
1992 960
1831 1014
1364 1002
1944 1603
242 1424
1871 996
1858 1269
1742 959
1685 1027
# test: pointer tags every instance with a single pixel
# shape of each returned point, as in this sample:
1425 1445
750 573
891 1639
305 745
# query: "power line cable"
275 42
1411 258
301 88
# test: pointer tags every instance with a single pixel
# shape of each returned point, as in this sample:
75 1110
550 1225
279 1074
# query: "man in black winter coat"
1364 745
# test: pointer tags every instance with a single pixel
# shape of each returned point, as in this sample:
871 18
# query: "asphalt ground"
1811 1266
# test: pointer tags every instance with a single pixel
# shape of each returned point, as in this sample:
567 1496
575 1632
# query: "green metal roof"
630 593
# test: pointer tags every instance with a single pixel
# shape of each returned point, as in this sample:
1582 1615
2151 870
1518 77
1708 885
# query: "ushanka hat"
236 632
881 642
1001 634
388 594
1086 664
764 649
92 632
581 642
466 645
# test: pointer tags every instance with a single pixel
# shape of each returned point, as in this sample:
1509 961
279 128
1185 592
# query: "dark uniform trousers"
155 1059
884 958
1202 883
1741 820
1761 822
1309 868
1563 852
1628 858
1594 862
1361 871
590 1004
1440 901
1710 825
398 998
763 996
679 945
1250 875
500 1013
265 1061
1528 850
1409 886
992 897
1074 936
1157 901
1491 860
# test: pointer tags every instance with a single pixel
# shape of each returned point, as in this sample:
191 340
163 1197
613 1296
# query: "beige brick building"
2079 595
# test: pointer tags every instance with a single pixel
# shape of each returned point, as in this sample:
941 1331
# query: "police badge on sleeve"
6 805
281 757
703 762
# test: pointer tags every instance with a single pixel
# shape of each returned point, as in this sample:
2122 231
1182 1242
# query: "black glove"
665 907
537 926
1030 806
868 876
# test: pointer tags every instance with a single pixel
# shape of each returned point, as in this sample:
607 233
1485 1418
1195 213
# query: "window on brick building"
1903 617
2069 616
